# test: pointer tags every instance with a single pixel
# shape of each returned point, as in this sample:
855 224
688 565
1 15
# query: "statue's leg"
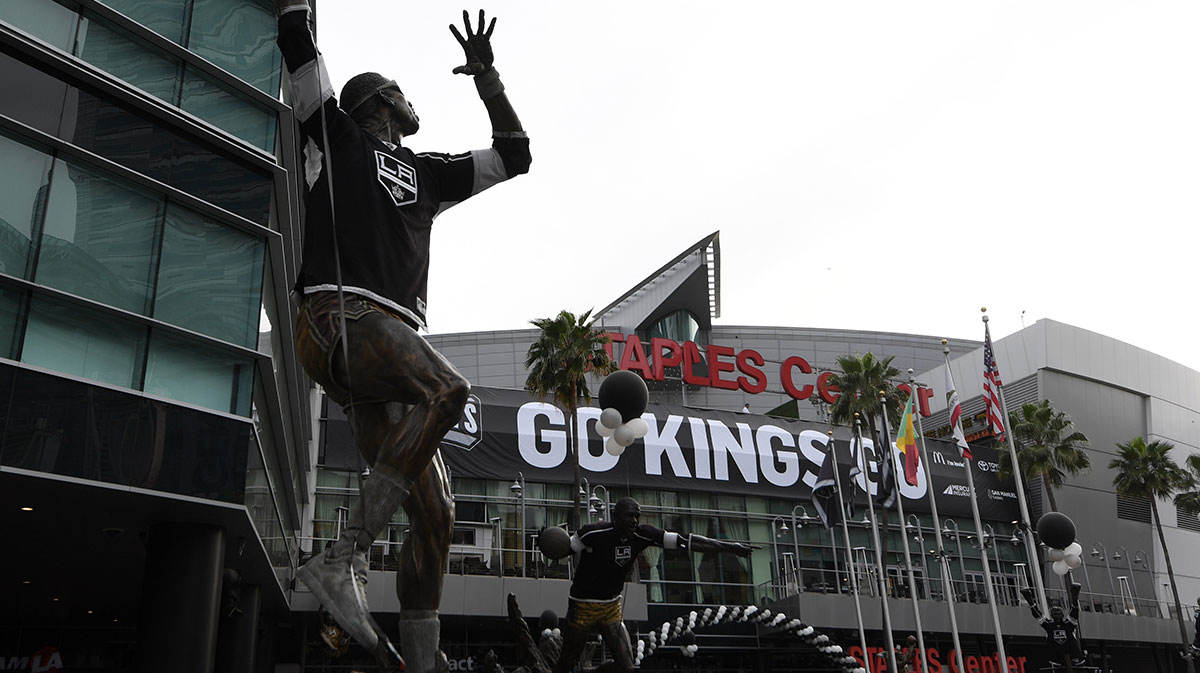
389 365
616 637
574 638
422 562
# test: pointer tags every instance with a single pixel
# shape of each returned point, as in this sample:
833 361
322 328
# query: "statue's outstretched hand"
741 548
477 46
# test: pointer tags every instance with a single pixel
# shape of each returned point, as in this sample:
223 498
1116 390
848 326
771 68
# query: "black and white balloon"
1057 531
623 399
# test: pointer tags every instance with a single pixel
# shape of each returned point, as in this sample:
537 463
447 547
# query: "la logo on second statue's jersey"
397 177
623 554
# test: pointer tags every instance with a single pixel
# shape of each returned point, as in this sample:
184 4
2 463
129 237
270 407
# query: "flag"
955 408
833 507
906 441
885 494
991 386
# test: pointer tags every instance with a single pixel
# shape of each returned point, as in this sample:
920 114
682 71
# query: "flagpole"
983 556
889 642
912 582
1031 550
841 501
947 587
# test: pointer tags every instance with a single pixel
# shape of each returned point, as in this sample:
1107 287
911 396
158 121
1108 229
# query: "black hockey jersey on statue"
606 557
386 197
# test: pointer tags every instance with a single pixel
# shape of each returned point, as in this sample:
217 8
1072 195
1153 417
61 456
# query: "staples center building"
737 433
165 465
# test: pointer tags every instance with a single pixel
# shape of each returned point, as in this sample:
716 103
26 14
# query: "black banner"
688 449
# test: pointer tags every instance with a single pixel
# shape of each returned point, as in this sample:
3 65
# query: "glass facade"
236 36
78 230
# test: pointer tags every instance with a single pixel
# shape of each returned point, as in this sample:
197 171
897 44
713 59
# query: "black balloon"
548 620
1056 530
626 392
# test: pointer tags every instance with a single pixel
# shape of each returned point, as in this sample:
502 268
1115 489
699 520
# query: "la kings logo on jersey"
397 177
623 554
1060 636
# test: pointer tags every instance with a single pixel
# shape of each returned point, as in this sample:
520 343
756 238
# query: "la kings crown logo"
397 177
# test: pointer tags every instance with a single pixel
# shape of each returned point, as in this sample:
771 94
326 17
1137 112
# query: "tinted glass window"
40 103
48 21
119 54
233 114
23 188
10 304
116 134
221 181
99 239
238 37
82 342
184 370
207 456
165 17
210 278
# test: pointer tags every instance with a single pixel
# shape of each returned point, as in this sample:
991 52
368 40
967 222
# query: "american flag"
991 386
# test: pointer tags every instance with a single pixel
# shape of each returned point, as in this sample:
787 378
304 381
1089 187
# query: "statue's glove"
284 6
477 46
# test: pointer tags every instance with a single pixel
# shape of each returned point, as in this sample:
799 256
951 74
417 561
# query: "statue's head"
377 104
1056 613
627 514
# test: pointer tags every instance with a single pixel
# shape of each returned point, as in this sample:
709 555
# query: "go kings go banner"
503 432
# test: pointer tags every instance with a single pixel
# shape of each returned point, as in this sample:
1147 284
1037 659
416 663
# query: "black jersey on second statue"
606 557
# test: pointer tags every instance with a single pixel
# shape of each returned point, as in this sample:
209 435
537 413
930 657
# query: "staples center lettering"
745 370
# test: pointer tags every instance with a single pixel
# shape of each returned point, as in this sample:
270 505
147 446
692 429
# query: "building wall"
147 221
1113 392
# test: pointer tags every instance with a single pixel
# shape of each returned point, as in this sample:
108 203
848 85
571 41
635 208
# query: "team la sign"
728 369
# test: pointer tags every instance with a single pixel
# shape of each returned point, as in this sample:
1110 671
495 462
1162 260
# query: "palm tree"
861 380
1147 471
1189 501
1048 447
568 349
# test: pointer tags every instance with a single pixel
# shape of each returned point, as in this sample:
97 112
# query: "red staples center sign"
727 369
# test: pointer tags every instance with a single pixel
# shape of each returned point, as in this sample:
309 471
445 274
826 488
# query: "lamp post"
1128 564
775 533
582 496
797 524
947 525
1103 554
596 504
518 491
988 540
910 528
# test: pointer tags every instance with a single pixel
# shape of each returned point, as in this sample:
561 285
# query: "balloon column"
1058 532
623 399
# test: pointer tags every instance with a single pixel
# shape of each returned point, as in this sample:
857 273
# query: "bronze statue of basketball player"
365 266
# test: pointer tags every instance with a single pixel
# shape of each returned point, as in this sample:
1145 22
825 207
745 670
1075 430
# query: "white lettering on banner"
528 438
768 452
700 451
724 446
588 460
813 445
987 466
658 443
769 457
960 490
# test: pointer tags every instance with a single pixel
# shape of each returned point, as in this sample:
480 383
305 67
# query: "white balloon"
1057 554
603 430
1074 548
624 435
1073 561
611 446
610 418
639 426
1061 568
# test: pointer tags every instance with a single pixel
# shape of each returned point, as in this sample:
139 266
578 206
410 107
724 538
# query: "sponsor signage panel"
688 449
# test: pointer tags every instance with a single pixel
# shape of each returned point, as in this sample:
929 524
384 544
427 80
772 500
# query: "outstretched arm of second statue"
702 544
477 48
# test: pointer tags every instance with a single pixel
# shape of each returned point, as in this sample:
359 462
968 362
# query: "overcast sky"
870 165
